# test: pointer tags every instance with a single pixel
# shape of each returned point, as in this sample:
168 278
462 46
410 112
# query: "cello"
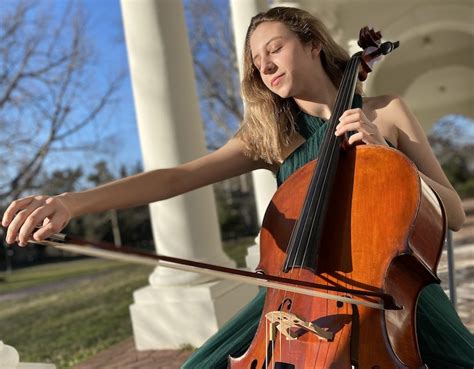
360 221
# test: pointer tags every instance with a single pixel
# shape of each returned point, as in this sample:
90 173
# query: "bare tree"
48 94
215 64
217 74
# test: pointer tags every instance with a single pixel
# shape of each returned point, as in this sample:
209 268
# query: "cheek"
264 80
302 72
296 73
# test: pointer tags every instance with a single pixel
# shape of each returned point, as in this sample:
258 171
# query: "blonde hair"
269 120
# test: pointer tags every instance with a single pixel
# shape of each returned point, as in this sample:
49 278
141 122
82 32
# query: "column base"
9 359
176 316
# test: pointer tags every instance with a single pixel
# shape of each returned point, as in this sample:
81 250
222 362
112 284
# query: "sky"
105 28
104 33
107 31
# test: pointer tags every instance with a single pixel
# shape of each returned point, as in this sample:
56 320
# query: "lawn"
83 311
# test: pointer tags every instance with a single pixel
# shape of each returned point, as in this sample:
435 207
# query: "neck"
318 101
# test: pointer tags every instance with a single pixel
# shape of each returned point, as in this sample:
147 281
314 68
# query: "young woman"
292 72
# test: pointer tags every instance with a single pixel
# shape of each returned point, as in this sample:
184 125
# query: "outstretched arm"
54 212
413 142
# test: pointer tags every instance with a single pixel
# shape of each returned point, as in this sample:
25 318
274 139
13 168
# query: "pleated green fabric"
444 341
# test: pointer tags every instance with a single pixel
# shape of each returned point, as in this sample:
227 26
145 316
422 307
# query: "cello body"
384 233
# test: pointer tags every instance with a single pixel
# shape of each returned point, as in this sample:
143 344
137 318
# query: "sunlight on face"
280 57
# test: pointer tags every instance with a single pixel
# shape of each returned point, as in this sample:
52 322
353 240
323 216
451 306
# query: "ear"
316 48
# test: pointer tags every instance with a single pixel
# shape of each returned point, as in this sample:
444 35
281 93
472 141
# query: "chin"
283 93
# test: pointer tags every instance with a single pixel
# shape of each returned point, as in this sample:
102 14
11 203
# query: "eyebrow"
266 44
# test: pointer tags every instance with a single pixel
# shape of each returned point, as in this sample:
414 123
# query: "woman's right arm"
54 212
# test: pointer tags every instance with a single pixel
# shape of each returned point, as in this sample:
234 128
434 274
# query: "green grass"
41 274
70 324
67 326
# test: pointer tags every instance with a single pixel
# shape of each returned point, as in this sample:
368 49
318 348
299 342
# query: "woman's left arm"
413 142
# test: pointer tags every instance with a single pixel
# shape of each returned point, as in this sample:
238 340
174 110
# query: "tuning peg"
389 46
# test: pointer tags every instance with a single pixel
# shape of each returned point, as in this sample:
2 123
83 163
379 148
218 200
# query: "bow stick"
132 255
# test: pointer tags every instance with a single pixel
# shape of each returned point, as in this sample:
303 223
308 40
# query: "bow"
133 255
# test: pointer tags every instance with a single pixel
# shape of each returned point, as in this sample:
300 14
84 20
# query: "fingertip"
39 236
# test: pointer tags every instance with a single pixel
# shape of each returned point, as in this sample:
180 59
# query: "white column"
264 182
177 308
242 12
290 4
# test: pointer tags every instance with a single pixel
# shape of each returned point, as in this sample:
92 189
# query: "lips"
275 81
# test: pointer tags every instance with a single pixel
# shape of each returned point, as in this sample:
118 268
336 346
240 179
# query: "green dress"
444 341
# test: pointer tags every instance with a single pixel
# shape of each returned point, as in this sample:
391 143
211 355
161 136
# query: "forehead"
265 32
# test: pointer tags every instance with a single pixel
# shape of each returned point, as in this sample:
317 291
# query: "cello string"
329 136
346 91
332 145
334 148
312 198
329 140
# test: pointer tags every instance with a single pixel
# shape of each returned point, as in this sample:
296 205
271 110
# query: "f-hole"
279 365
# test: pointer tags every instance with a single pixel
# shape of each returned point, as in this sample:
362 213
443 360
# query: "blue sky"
106 29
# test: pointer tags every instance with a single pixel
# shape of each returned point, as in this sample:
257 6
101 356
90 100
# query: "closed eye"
274 51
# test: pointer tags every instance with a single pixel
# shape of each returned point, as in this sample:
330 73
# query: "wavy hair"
269 120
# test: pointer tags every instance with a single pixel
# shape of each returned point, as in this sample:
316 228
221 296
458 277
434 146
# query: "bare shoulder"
393 107
380 110
396 112
387 107
395 116
378 102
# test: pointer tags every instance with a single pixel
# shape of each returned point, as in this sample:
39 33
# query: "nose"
268 67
